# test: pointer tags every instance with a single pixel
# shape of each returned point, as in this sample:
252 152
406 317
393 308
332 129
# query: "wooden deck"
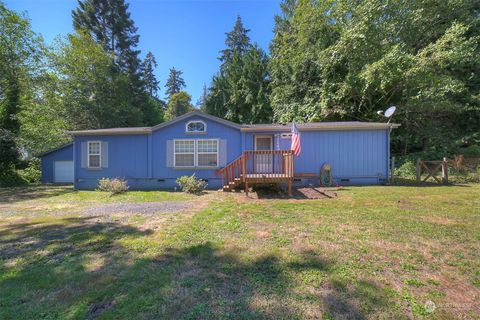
259 166
265 177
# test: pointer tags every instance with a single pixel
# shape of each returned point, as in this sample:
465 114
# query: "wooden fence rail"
433 168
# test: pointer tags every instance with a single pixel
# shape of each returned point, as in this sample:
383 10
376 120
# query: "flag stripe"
296 145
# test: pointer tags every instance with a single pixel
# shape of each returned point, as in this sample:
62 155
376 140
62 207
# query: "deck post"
445 170
290 187
246 187
419 169
244 167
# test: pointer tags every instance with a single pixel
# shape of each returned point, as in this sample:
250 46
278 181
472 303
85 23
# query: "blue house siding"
215 130
360 156
127 158
48 160
356 156
141 159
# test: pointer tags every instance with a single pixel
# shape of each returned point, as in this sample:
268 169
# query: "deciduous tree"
175 82
179 103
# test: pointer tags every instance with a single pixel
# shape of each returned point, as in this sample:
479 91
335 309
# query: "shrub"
472 151
114 186
9 177
191 184
32 173
406 170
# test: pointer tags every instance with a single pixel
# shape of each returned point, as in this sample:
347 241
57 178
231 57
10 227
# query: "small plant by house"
114 186
406 170
191 184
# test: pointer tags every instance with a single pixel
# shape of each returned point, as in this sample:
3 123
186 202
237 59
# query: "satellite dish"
390 111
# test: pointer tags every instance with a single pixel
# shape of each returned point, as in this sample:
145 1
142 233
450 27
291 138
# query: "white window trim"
175 153
94 154
195 153
196 132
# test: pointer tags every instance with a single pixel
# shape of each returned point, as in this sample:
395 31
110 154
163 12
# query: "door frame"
262 136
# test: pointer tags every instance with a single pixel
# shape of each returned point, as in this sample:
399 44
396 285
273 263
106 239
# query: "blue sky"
183 34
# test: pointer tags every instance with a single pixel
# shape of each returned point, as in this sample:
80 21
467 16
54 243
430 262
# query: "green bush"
114 186
190 184
472 151
32 173
407 170
9 177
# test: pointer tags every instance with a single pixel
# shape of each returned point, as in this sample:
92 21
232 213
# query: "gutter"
109 132
374 126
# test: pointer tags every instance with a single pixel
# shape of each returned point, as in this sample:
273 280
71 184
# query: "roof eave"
107 133
53 150
373 126
200 114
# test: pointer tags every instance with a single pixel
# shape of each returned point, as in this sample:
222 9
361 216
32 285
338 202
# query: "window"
207 153
196 153
94 154
196 127
184 153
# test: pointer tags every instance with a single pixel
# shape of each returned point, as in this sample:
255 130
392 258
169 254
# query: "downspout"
75 174
149 156
389 130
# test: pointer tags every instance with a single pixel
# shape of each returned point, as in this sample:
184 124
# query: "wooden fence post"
419 169
445 170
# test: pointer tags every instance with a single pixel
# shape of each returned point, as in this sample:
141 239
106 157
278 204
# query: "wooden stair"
249 168
232 185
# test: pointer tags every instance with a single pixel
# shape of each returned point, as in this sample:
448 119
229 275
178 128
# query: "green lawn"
370 253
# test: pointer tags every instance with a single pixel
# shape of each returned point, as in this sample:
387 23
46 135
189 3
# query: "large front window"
207 153
196 153
94 155
184 153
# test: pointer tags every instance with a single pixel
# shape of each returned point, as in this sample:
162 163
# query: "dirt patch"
297 193
405 205
438 220
144 208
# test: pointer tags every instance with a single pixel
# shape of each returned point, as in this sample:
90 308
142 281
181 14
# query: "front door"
263 162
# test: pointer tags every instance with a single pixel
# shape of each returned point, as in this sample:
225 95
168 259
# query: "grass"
370 253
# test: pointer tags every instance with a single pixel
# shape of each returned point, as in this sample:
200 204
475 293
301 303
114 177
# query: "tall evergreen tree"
201 103
237 41
239 91
148 75
109 23
175 82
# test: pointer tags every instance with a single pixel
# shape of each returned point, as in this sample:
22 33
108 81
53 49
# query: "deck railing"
268 165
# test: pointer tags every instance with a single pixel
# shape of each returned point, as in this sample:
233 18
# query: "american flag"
296 146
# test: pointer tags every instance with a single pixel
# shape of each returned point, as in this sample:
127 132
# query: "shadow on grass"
17 194
298 193
79 269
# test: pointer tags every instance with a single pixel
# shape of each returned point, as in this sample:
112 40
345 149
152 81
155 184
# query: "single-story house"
224 153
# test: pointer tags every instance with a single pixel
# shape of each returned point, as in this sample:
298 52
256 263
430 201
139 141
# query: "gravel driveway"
145 208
